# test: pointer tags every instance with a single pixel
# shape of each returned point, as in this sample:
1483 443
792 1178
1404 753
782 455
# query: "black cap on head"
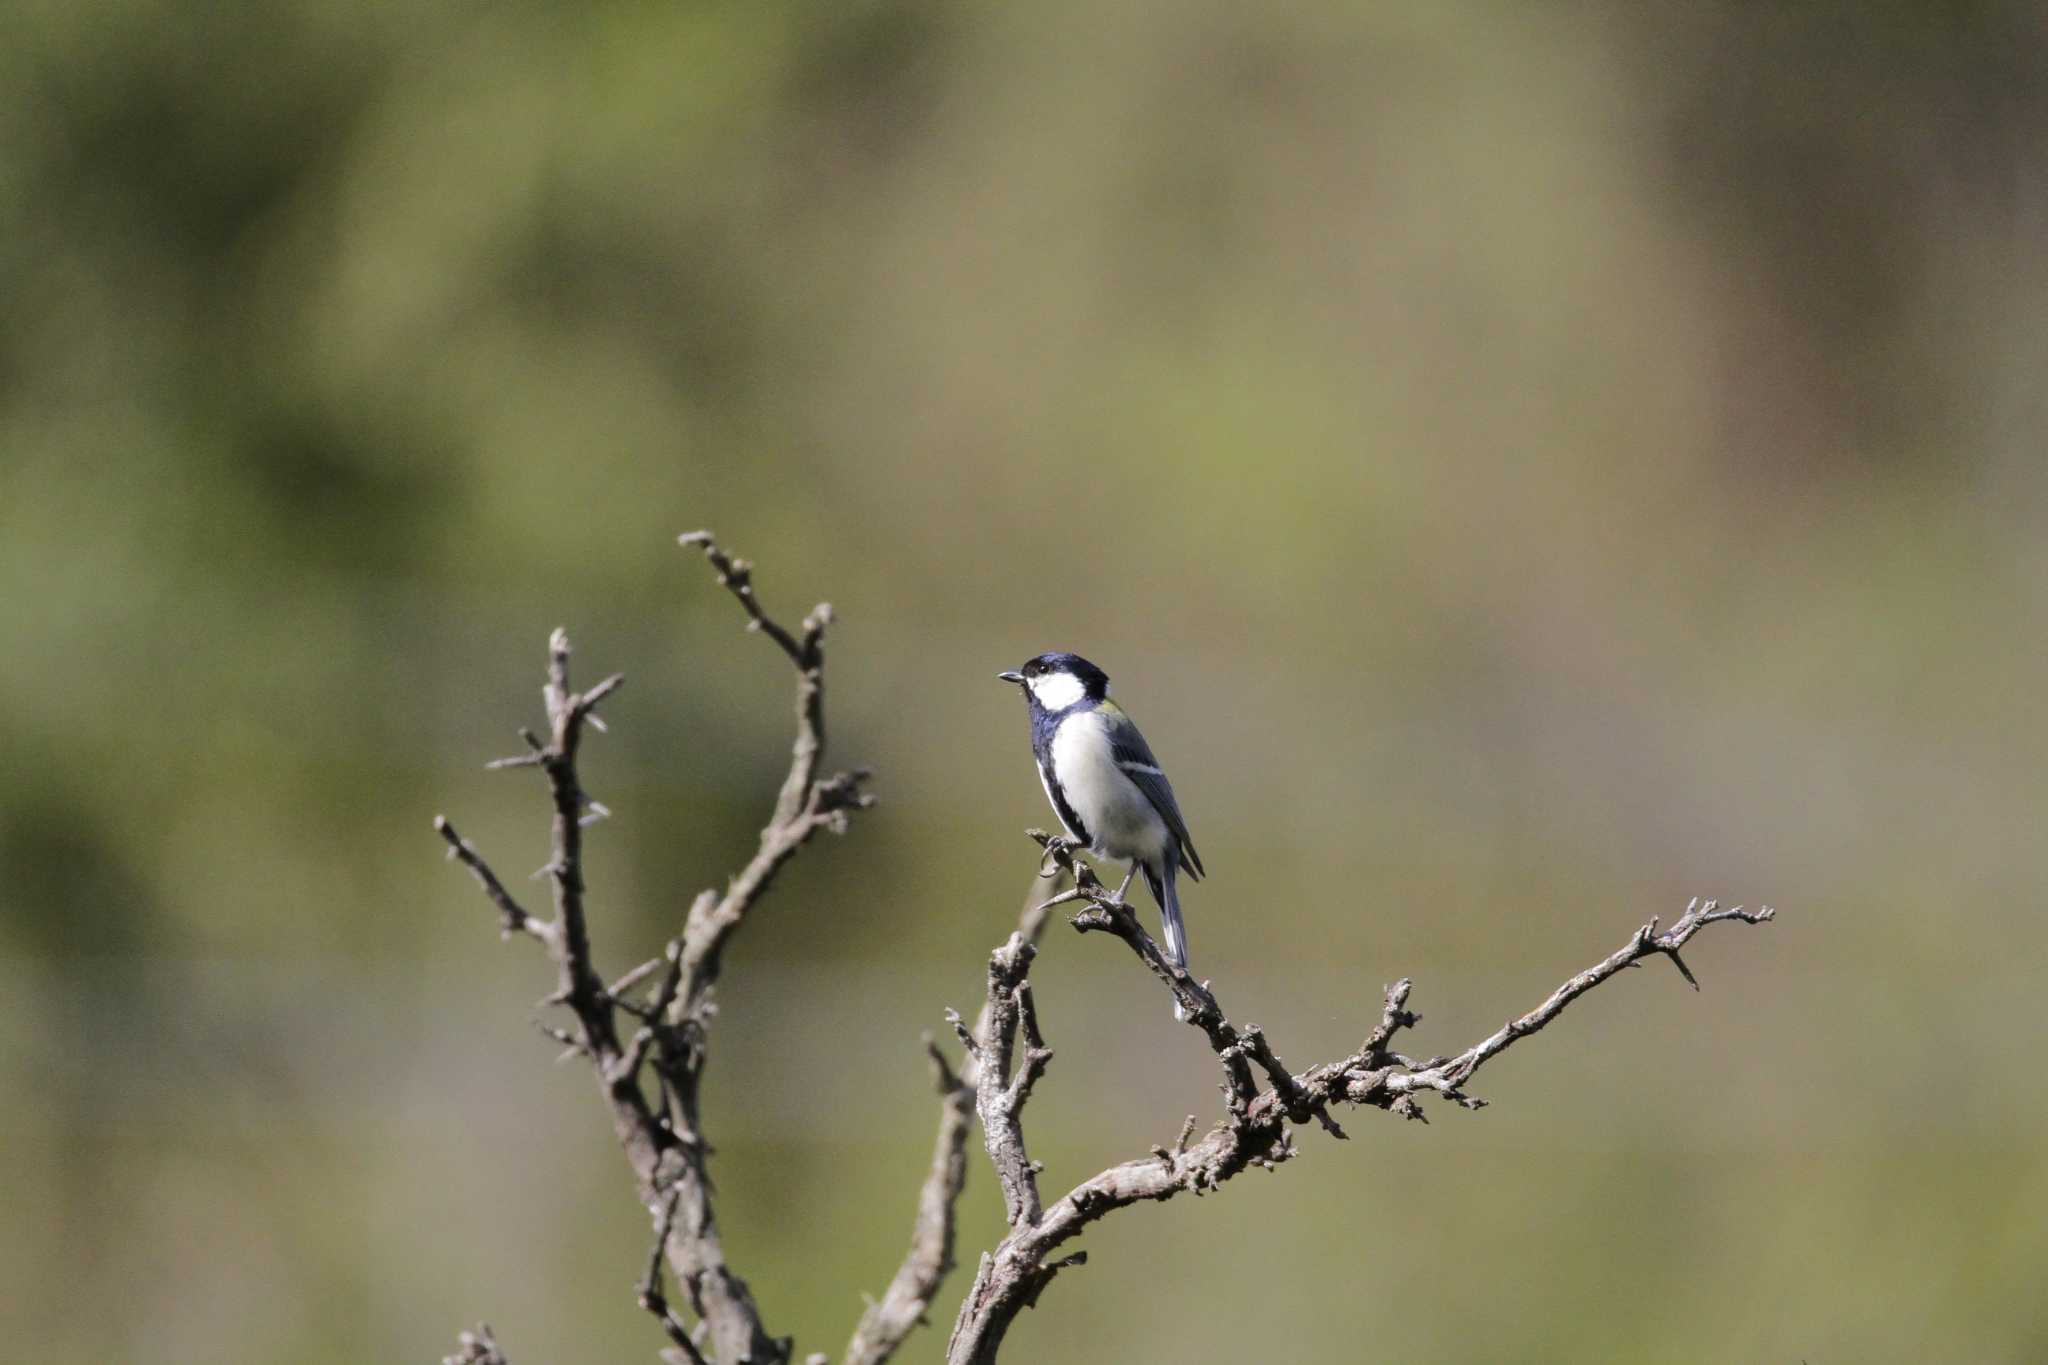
1092 679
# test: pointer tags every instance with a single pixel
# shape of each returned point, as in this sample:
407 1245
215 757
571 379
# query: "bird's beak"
1011 676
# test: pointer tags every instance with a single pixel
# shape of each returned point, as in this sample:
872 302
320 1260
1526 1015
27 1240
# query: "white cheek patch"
1057 691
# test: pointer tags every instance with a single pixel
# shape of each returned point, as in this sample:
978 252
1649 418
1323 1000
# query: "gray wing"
1134 758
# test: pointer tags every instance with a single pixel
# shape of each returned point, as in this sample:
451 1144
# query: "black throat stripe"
1061 806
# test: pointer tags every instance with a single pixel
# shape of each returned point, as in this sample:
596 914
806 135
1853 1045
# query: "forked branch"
666 1002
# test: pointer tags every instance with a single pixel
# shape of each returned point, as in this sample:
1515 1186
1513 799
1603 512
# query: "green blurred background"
1524 466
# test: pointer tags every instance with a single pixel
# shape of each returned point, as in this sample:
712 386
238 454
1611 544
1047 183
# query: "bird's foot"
1059 852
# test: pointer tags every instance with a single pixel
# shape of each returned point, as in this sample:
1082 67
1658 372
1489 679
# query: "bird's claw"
1059 850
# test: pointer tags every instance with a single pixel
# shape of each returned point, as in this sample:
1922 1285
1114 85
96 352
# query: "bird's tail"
1168 895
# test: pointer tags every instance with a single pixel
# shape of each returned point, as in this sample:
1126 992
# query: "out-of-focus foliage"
1524 465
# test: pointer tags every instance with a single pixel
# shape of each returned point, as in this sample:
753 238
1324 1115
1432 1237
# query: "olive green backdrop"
1523 465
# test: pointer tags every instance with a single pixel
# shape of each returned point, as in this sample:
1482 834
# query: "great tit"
1104 783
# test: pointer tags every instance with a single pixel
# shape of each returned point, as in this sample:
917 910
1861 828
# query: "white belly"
1120 818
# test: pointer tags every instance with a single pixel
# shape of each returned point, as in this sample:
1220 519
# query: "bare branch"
618 989
654 1013
999 1101
661 1138
890 1319
805 804
1192 1001
580 987
513 919
1448 1078
653 1299
1257 1127
738 575
1394 1017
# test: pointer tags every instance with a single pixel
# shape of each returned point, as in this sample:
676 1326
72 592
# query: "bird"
1104 783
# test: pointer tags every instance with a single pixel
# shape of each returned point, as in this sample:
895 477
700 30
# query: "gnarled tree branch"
662 1136
1257 1127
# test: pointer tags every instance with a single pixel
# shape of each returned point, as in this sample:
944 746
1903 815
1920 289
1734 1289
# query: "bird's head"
1057 681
